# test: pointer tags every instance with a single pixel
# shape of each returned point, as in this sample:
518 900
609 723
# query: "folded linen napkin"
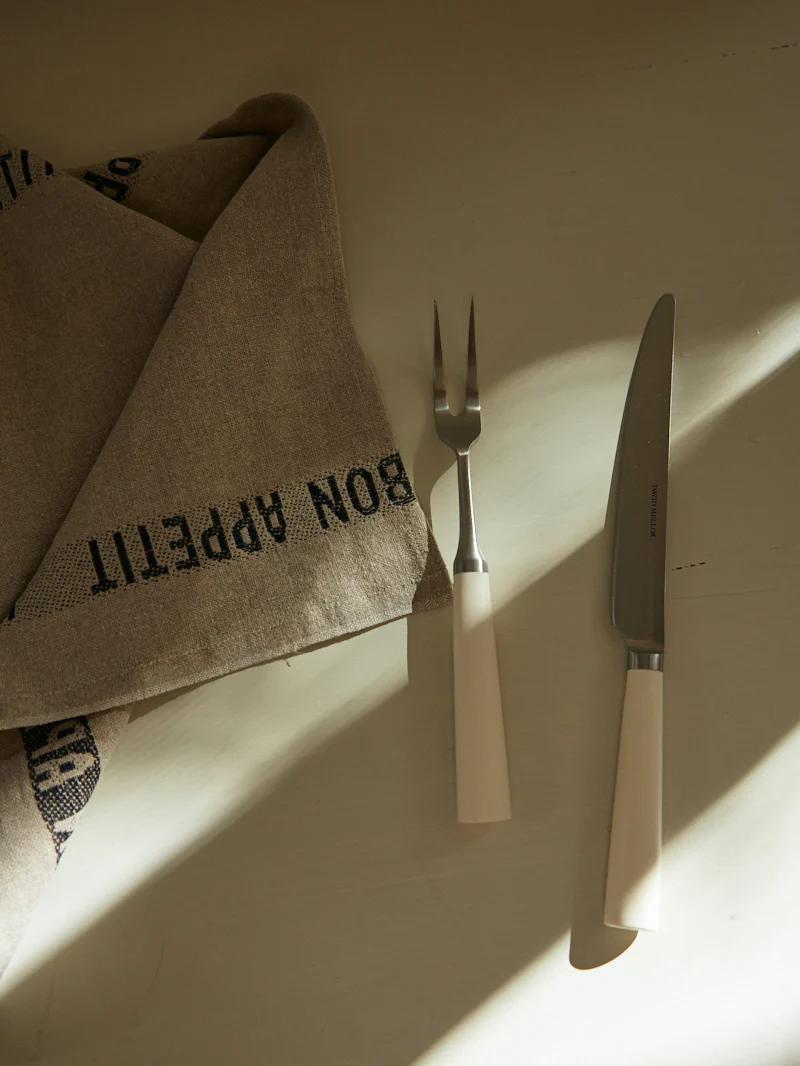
196 470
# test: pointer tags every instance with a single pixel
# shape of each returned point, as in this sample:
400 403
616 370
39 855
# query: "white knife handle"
633 883
481 766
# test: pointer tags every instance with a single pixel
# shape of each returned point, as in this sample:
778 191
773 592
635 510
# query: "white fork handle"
633 883
481 764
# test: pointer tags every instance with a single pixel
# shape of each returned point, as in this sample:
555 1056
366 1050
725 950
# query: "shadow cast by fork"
344 901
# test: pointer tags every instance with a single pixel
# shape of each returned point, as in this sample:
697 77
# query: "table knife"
633 882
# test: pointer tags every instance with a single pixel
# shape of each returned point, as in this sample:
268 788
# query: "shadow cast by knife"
711 737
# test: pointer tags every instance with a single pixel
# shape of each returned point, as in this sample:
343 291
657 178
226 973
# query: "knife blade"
637 610
640 528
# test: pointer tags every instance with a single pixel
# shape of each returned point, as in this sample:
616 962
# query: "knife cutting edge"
633 883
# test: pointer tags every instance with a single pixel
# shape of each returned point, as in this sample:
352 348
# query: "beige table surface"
270 871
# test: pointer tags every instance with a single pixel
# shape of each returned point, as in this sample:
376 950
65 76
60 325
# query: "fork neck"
469 558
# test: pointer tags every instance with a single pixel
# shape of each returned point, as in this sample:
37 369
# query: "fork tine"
472 357
439 392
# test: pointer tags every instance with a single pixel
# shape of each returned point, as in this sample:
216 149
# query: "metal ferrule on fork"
469 558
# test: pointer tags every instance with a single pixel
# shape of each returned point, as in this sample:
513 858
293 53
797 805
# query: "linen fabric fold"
196 469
